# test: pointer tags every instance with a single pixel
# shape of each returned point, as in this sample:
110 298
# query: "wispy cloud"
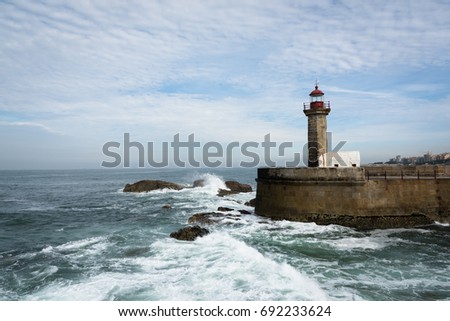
227 70
30 124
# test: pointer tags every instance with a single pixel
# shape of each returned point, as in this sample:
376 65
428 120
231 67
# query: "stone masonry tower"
316 111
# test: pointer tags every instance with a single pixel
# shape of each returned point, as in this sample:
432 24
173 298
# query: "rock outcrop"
234 188
251 203
206 218
189 233
224 209
150 185
210 218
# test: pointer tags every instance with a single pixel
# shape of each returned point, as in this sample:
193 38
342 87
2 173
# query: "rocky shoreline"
233 187
191 232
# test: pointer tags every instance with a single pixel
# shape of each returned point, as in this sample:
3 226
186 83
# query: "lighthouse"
316 111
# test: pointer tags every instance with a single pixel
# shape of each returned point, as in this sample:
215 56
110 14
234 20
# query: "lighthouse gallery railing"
307 106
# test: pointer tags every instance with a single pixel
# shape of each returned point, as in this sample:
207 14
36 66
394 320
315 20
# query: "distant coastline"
427 159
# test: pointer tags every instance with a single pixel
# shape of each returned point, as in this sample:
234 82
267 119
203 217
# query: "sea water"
74 235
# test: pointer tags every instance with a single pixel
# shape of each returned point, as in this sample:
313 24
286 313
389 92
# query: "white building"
340 159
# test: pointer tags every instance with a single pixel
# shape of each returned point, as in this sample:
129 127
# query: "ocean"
74 235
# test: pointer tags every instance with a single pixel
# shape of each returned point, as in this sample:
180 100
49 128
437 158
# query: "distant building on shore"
427 158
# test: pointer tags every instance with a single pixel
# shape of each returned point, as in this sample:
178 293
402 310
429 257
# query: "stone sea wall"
409 170
346 196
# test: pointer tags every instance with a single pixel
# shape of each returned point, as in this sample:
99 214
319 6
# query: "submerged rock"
234 188
209 218
150 185
224 209
189 233
251 203
206 218
138 251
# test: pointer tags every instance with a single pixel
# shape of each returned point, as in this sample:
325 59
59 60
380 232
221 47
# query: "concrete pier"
351 197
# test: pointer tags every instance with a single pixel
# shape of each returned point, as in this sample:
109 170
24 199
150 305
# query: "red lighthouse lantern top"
317 101
316 97
316 92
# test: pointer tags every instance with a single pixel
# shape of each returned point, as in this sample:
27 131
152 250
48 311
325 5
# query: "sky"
75 75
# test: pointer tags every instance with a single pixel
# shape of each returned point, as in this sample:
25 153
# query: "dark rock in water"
244 212
199 183
224 209
212 218
189 233
205 218
136 251
224 192
251 203
238 187
150 185
234 188
167 206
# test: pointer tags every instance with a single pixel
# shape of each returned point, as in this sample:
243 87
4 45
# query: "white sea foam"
90 289
44 272
47 249
394 231
212 183
310 228
215 267
83 243
285 231
79 248
219 267
39 208
363 243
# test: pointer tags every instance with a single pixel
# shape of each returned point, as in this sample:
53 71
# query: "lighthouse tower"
316 111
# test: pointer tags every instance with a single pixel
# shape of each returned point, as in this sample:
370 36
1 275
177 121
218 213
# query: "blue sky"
77 74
